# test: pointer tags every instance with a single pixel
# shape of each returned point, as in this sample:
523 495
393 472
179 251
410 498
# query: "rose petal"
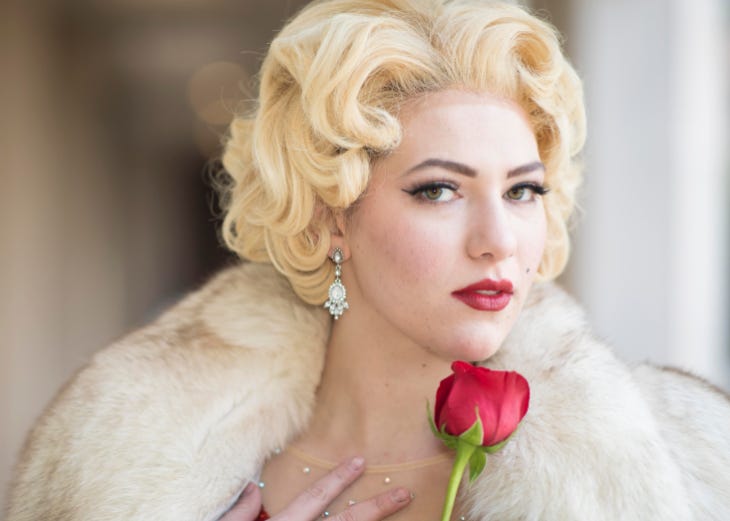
441 394
501 397
461 367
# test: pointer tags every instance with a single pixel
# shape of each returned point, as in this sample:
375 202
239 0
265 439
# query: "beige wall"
63 291
650 262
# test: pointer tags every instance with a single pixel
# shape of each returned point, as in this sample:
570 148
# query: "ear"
338 235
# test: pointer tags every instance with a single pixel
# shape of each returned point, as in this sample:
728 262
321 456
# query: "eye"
434 192
518 193
525 192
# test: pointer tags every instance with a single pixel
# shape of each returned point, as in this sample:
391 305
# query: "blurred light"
208 139
214 91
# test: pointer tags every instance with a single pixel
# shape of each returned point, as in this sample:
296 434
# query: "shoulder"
589 447
158 425
680 392
693 417
237 326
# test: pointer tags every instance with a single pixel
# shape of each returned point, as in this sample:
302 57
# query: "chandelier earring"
337 301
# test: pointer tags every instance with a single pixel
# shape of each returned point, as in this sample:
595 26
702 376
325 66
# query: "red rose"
501 397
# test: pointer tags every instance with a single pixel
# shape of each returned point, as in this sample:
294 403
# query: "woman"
420 155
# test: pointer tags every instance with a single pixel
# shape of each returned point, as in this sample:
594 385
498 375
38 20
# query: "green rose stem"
464 452
469 451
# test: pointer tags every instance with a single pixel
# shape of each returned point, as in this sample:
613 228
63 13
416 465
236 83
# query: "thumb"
247 507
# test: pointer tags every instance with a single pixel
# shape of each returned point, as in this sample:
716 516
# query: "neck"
372 397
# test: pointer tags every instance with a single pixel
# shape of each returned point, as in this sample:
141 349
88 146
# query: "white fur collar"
589 444
173 420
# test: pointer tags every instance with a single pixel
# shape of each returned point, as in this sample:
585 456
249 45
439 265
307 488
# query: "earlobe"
337 237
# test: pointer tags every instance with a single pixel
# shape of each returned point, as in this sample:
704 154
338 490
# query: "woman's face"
443 246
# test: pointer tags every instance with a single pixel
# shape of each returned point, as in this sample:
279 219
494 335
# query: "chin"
471 350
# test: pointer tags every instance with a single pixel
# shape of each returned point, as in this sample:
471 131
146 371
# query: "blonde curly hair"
330 88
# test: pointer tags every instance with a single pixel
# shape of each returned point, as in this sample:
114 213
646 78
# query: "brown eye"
517 193
433 193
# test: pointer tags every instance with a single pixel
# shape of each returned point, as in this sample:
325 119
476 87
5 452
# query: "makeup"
486 295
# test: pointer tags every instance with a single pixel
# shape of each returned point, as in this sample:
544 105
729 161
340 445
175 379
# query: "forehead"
477 128
457 101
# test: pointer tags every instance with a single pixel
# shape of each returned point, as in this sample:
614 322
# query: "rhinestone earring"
337 301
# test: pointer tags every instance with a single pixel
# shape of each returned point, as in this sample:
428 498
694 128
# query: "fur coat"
171 422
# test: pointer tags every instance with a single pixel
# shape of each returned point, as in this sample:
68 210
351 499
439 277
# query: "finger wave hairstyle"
329 91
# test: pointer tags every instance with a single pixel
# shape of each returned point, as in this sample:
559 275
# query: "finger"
377 508
316 498
247 507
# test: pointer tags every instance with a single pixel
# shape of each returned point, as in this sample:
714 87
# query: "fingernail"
357 463
400 495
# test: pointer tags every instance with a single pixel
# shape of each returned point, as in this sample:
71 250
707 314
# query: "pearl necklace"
384 470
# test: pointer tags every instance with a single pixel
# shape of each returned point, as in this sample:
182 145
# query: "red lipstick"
486 295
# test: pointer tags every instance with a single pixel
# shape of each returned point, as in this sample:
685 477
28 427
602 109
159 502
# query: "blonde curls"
330 88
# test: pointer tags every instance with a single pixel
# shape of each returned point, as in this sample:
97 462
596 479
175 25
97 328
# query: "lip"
471 296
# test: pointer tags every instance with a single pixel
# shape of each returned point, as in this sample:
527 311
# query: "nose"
490 232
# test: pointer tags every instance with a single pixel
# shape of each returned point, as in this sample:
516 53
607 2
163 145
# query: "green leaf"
431 423
451 442
475 434
476 464
498 446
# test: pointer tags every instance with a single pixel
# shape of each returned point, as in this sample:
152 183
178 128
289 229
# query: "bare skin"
310 504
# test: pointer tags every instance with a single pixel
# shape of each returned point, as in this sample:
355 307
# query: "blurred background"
113 111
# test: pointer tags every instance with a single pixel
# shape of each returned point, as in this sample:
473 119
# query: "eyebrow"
461 168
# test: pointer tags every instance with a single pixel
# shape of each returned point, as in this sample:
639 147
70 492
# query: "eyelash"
419 190
535 188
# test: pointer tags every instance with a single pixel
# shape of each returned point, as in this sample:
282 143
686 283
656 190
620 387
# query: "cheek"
401 262
532 245
537 247
413 249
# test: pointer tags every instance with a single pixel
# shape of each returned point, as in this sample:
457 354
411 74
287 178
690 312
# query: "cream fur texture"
171 422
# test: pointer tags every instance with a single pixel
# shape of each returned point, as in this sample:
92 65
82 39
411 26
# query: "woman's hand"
310 504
